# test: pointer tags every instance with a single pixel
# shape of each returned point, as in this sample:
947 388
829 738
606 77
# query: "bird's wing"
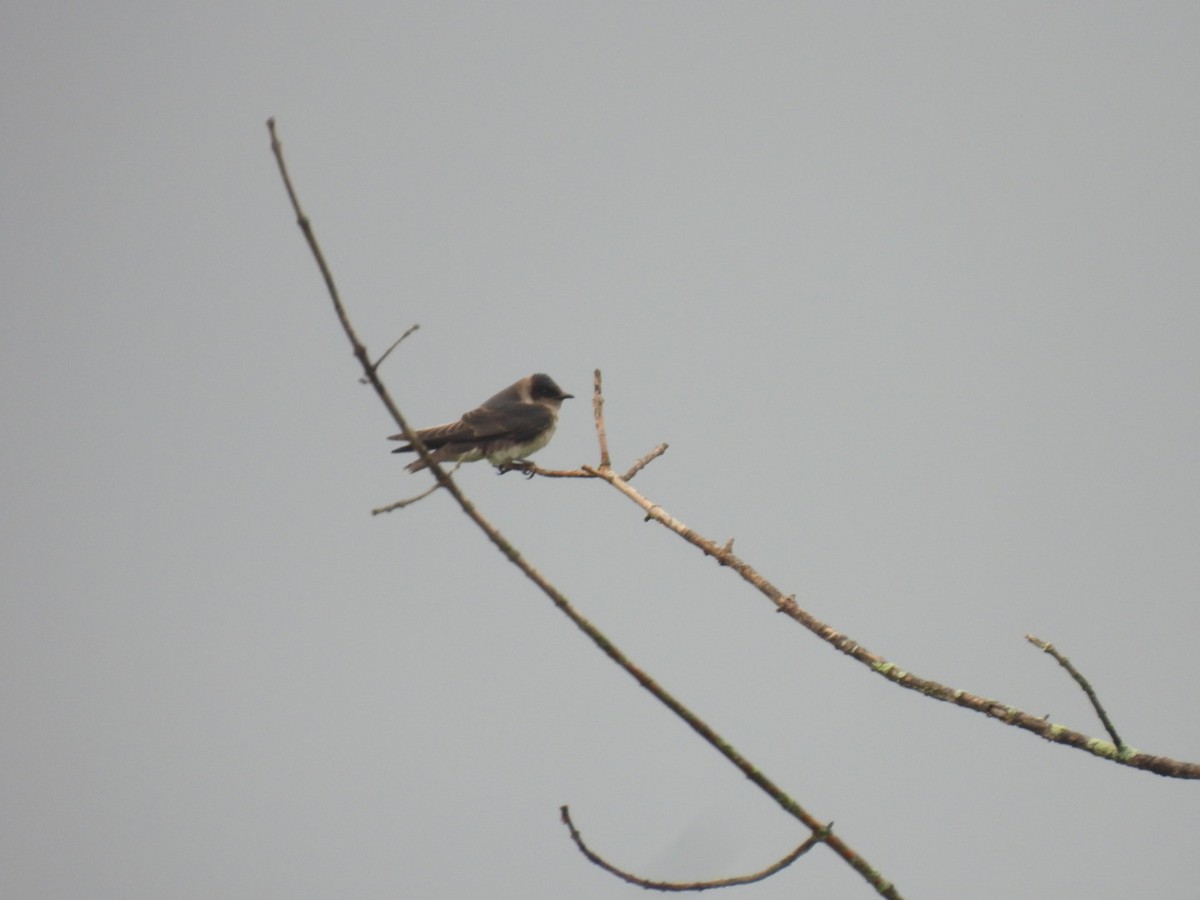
519 422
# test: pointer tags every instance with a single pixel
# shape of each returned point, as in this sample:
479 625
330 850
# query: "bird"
505 429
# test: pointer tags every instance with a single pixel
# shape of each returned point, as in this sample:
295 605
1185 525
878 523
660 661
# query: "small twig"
644 461
816 838
1082 682
400 504
598 412
379 362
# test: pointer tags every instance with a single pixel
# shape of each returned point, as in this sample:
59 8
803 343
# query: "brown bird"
514 424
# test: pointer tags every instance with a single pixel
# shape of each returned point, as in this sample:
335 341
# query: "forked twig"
360 350
555 473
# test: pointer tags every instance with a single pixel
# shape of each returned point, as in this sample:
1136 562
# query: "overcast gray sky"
910 289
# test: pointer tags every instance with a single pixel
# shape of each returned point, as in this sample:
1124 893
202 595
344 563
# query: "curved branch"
814 839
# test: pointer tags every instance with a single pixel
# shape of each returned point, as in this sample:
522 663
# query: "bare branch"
409 501
586 471
598 413
557 473
1083 683
644 461
1009 715
360 351
602 435
881 885
762 875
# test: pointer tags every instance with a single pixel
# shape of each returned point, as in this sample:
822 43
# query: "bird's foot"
523 466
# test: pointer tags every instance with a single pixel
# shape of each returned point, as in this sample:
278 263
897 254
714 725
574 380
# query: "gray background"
911 290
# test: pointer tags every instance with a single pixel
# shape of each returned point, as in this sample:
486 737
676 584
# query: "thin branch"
813 840
387 352
1083 683
586 472
311 238
645 461
409 501
875 879
1009 715
360 350
598 413
555 473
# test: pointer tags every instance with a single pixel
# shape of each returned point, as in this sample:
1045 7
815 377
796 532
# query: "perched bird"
517 422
